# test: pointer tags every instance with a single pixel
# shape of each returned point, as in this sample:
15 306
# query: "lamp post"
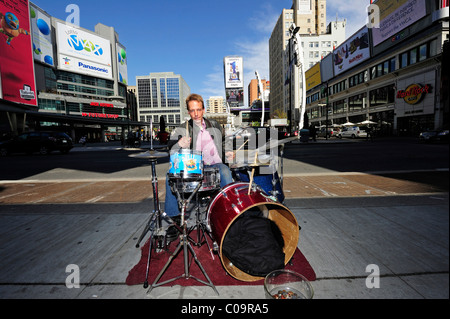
299 63
325 88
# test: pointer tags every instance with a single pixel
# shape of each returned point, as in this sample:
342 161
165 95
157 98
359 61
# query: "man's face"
196 110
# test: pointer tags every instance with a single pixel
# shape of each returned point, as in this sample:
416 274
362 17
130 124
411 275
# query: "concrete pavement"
364 240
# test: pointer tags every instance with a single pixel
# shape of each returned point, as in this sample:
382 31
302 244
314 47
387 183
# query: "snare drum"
186 164
211 182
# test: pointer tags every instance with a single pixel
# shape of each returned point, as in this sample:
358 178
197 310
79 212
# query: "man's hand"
184 142
230 156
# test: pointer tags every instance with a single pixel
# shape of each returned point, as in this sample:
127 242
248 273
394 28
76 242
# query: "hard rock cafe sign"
414 93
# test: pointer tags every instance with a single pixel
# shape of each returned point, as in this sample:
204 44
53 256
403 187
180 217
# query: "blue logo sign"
80 45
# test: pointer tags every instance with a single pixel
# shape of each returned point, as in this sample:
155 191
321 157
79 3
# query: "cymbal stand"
156 214
154 224
184 243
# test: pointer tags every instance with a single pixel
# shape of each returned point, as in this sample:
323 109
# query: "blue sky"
191 37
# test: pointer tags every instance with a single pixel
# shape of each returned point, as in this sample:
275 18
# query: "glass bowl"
287 284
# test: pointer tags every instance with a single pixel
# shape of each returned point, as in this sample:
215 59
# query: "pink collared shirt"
206 145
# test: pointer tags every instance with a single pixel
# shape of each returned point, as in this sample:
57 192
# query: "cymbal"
242 165
276 143
151 154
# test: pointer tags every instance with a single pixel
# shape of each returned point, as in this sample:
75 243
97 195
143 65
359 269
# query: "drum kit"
210 210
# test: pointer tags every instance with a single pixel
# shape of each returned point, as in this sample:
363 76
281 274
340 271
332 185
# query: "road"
387 155
333 169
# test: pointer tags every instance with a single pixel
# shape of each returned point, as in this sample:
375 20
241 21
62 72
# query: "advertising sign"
41 35
395 16
83 52
68 63
235 97
234 72
16 57
122 73
414 93
312 77
326 68
352 52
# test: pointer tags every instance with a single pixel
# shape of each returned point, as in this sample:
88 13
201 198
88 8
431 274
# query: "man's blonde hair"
194 97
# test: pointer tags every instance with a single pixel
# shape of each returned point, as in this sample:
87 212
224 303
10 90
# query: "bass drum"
232 202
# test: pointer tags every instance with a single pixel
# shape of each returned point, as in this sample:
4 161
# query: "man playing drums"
201 134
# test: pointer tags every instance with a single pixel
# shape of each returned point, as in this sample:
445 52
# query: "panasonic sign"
94 68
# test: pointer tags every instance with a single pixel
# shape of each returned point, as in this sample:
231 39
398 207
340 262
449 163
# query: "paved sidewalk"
404 237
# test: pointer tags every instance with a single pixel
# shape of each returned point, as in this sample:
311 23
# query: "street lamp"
299 62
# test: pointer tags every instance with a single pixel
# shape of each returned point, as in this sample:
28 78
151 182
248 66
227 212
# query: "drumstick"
241 146
187 129
251 181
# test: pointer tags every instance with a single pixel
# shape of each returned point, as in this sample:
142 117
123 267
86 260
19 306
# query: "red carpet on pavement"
212 266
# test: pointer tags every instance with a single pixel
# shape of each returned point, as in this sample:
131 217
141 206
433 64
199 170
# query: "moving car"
42 142
352 132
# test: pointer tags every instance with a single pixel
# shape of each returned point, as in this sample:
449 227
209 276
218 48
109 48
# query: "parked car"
434 136
352 132
42 142
331 132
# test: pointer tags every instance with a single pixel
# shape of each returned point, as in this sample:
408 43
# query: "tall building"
74 81
310 16
253 91
392 77
216 104
162 94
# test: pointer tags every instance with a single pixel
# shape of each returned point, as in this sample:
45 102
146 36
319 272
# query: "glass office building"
162 94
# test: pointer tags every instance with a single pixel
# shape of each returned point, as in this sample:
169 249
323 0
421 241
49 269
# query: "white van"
352 132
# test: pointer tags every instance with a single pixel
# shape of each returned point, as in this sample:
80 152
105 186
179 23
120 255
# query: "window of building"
423 52
339 107
413 56
404 60
357 102
381 96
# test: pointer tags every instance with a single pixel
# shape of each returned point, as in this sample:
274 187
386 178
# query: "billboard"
83 52
352 52
234 72
16 57
41 35
326 67
312 77
395 16
235 97
122 68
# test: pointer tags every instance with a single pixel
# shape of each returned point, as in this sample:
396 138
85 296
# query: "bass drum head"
276 212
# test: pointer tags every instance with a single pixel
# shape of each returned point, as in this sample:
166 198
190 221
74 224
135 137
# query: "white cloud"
354 11
254 52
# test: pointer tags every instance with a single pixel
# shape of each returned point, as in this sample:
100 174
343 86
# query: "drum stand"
201 230
184 243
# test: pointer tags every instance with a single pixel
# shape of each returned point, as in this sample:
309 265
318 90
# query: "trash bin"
304 136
